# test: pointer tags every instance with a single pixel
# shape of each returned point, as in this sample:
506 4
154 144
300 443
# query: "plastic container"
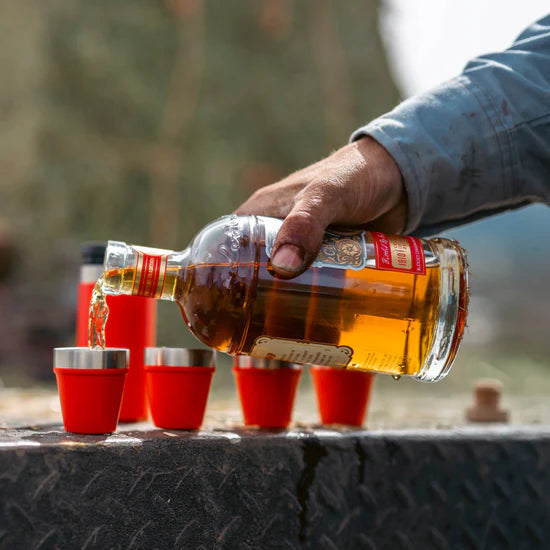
90 383
178 382
131 324
342 395
267 389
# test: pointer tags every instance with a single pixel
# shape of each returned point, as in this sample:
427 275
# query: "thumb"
301 234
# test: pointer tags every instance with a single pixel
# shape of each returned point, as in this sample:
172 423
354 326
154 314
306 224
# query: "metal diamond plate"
479 489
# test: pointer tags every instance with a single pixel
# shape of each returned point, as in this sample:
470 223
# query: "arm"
474 146
478 144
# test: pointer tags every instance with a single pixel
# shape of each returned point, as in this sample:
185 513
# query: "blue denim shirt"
479 143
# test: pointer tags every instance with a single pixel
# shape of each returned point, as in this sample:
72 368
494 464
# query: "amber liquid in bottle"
387 318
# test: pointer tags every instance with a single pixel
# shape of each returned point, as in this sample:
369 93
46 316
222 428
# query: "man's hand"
358 184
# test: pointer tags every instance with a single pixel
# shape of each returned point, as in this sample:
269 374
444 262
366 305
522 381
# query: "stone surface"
306 487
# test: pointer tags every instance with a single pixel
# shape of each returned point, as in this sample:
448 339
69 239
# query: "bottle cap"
247 362
92 253
87 358
180 357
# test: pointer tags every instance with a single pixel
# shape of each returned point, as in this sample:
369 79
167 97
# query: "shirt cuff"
453 152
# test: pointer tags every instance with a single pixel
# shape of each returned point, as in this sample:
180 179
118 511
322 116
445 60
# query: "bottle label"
396 253
348 249
150 272
343 250
298 351
340 249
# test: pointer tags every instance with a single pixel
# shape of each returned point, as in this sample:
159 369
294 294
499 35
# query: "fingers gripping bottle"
370 301
131 325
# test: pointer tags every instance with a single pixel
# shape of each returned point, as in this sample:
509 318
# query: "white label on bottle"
297 351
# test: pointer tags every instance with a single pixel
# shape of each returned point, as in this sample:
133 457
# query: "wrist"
388 188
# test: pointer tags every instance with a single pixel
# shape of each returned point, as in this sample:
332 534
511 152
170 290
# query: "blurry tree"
141 120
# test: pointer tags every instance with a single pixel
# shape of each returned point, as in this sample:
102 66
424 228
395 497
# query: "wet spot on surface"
505 108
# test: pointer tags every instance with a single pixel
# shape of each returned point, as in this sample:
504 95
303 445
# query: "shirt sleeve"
479 143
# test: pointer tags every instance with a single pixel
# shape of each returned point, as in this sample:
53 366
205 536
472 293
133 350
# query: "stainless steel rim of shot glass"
90 358
180 357
247 362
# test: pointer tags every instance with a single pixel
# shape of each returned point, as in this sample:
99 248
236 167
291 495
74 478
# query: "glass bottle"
371 302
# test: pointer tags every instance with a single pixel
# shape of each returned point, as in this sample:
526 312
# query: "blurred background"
142 120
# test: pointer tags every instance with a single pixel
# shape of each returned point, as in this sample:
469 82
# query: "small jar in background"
131 324
267 389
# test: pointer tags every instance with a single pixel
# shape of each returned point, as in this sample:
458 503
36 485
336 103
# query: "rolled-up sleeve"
479 143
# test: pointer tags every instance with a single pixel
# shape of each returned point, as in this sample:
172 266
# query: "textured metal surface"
485 488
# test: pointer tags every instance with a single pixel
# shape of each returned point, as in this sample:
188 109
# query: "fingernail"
288 258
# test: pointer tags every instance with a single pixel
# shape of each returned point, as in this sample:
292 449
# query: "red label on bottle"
150 275
396 253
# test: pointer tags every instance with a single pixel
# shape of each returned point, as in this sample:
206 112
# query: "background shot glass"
267 389
178 382
342 394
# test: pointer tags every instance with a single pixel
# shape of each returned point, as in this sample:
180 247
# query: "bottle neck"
142 271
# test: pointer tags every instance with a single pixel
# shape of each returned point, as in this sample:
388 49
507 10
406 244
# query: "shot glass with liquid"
90 383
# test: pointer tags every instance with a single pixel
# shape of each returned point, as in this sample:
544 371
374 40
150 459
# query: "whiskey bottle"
372 302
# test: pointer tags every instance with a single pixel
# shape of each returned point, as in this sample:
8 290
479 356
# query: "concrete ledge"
302 488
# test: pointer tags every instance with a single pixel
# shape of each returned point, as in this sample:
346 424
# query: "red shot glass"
178 382
90 383
266 389
342 394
